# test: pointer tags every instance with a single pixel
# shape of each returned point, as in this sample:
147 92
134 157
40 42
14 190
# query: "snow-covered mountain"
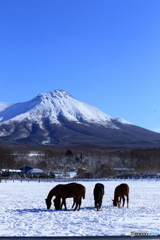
56 118
52 105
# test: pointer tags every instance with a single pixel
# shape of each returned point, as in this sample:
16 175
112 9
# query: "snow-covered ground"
23 211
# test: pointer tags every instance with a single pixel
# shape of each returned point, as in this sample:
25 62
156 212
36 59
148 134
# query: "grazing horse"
63 191
119 193
98 193
58 203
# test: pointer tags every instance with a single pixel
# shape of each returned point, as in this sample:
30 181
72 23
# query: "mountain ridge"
57 103
56 118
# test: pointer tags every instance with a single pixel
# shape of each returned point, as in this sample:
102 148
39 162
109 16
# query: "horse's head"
57 203
115 202
48 203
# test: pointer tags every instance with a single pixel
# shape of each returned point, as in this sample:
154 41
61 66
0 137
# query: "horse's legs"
78 201
64 203
76 206
119 201
61 205
127 200
123 200
96 204
100 202
79 204
74 202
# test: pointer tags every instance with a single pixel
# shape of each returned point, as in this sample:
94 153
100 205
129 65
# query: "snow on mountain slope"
4 105
54 104
56 118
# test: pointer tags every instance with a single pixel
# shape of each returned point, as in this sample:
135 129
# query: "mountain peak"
55 94
55 105
56 117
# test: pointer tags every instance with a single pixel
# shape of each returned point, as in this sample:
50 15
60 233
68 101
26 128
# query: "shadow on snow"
38 210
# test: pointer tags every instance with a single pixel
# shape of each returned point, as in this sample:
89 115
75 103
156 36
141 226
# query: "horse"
58 203
63 191
119 193
98 193
57 200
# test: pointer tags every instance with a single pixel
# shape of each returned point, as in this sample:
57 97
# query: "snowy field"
23 211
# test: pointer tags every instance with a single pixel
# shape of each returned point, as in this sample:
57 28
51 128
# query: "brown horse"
63 191
119 193
57 200
58 203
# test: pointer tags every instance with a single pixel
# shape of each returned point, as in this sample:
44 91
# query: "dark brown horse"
63 191
98 193
58 203
119 193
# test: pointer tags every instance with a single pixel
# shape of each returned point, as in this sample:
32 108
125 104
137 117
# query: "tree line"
87 161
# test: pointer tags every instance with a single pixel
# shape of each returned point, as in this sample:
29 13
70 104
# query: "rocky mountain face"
56 118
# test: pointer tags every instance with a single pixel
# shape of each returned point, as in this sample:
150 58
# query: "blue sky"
103 52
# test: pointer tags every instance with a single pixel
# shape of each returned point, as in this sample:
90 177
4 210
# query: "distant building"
124 170
10 172
64 175
71 174
57 174
25 169
35 172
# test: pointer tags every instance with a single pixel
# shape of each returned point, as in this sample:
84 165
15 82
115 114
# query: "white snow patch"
4 105
24 213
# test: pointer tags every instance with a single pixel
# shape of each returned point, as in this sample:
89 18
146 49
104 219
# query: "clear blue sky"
103 52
